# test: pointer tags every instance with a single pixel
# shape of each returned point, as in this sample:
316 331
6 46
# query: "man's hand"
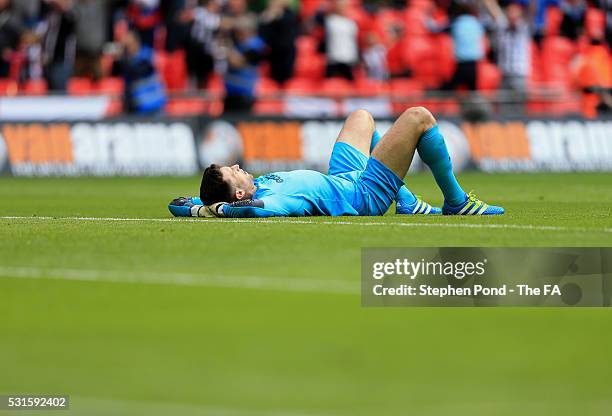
210 211
193 207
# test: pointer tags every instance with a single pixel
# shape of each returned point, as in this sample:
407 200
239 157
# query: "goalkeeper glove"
208 211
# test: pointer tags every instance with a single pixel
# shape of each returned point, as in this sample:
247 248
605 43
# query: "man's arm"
193 207
250 208
496 12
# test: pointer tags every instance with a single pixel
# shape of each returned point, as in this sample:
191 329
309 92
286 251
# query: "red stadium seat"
215 85
337 87
420 4
79 86
309 7
186 106
385 20
558 50
115 107
414 20
405 87
489 76
312 66
175 72
371 87
420 49
160 60
8 87
109 86
446 56
306 45
556 56
35 87
269 107
300 86
424 57
537 73
266 87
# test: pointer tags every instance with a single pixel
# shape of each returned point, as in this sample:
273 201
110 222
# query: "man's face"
514 13
237 7
240 180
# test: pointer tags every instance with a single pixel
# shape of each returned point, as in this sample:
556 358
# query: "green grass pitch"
245 317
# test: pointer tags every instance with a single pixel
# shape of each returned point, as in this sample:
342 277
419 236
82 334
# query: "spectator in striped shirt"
513 36
205 21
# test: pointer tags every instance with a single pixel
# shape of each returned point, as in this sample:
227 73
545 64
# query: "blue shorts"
377 185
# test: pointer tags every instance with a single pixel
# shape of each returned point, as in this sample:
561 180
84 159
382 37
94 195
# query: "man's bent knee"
423 116
362 116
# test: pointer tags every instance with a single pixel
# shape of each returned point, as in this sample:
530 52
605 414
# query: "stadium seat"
35 87
8 87
537 74
446 56
300 86
79 86
215 85
420 49
175 71
309 7
423 5
386 19
405 87
312 66
414 21
160 60
558 49
306 45
557 54
266 87
269 107
337 87
366 87
186 106
115 107
489 76
263 69
109 86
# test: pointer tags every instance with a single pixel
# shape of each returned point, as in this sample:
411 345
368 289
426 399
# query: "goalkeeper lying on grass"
365 176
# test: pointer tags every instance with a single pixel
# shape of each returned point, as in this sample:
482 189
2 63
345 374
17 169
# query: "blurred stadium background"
109 109
521 85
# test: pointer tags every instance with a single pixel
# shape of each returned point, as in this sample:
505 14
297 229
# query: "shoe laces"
472 197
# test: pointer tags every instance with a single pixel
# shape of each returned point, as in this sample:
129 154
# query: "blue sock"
433 152
404 196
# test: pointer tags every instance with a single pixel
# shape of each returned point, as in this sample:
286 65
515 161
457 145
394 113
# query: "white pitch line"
328 222
285 284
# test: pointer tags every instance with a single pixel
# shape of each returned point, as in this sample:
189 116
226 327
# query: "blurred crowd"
441 44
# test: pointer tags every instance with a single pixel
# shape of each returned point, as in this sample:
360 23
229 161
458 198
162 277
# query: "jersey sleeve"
275 206
250 208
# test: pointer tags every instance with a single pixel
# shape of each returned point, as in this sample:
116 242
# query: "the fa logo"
552 290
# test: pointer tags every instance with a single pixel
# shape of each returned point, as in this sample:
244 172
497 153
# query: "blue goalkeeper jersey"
299 193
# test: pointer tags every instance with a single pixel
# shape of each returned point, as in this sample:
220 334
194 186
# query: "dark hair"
214 188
